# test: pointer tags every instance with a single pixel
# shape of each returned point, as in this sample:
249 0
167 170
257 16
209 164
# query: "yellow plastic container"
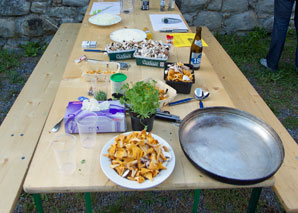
148 33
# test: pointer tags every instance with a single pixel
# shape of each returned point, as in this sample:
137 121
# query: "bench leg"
88 202
196 201
253 201
38 203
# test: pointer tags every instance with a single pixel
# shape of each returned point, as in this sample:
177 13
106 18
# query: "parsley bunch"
142 98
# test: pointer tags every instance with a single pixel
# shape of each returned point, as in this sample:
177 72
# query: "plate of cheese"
104 19
121 35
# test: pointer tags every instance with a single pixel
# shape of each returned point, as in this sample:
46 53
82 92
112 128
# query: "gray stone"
212 20
268 24
49 25
83 10
57 3
79 18
17 50
240 22
29 25
2 42
76 3
235 6
47 39
36 40
35 26
7 27
252 3
16 43
215 5
192 5
292 24
189 18
62 12
264 6
39 7
40 0
67 20
14 7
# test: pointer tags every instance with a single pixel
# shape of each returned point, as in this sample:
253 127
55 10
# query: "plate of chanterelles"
137 160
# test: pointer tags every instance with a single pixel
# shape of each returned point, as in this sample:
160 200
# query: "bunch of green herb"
142 98
100 96
31 49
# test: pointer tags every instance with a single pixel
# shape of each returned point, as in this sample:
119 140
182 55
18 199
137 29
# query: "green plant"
8 61
291 122
100 96
31 48
142 98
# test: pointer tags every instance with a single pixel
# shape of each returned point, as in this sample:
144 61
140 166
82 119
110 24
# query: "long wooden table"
43 175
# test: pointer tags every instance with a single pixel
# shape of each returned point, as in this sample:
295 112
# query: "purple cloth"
111 120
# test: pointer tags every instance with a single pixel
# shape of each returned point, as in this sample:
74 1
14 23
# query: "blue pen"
90 50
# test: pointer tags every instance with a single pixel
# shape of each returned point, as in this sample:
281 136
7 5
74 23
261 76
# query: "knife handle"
180 101
166 118
89 50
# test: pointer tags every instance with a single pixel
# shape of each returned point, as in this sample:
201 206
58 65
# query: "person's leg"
282 15
296 26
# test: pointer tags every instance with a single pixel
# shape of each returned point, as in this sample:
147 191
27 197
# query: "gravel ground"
169 201
8 91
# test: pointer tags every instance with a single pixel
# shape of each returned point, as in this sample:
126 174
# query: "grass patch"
31 49
290 122
279 89
8 61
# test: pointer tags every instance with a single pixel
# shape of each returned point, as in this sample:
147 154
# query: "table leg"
88 202
196 200
38 203
253 201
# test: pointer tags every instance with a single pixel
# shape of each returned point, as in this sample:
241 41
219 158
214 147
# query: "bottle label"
196 59
199 43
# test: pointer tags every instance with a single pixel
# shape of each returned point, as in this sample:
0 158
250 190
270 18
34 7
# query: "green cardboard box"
121 55
152 62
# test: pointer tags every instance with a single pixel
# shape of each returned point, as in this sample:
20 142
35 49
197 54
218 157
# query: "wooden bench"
246 98
21 129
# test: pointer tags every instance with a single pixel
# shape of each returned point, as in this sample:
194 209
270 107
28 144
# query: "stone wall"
229 16
37 20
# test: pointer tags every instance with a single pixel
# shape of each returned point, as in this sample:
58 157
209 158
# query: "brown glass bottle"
196 50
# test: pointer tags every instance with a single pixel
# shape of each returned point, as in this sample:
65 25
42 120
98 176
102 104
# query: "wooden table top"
43 175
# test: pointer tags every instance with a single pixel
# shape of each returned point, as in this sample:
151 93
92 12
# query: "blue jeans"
282 15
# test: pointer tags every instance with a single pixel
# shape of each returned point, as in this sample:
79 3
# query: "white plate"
117 179
135 35
99 19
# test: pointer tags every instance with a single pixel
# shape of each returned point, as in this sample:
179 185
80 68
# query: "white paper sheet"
158 25
115 9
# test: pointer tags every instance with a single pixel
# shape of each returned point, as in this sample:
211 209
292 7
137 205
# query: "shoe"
263 62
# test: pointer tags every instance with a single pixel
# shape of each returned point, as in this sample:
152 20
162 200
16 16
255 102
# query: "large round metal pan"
231 145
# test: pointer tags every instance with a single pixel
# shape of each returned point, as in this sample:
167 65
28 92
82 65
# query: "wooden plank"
89 176
23 124
245 97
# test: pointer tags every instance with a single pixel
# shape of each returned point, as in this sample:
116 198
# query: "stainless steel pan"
231 145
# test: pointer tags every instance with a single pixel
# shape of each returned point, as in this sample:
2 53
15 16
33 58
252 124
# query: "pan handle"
180 101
